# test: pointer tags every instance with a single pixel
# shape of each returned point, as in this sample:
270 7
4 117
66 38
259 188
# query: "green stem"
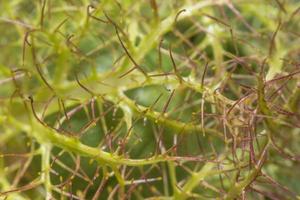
45 174
45 135
239 187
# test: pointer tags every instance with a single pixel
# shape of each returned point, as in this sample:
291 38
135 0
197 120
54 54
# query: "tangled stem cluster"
149 99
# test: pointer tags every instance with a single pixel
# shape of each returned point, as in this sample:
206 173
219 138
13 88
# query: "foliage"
190 99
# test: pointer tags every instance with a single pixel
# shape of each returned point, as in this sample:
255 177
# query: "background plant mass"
123 99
